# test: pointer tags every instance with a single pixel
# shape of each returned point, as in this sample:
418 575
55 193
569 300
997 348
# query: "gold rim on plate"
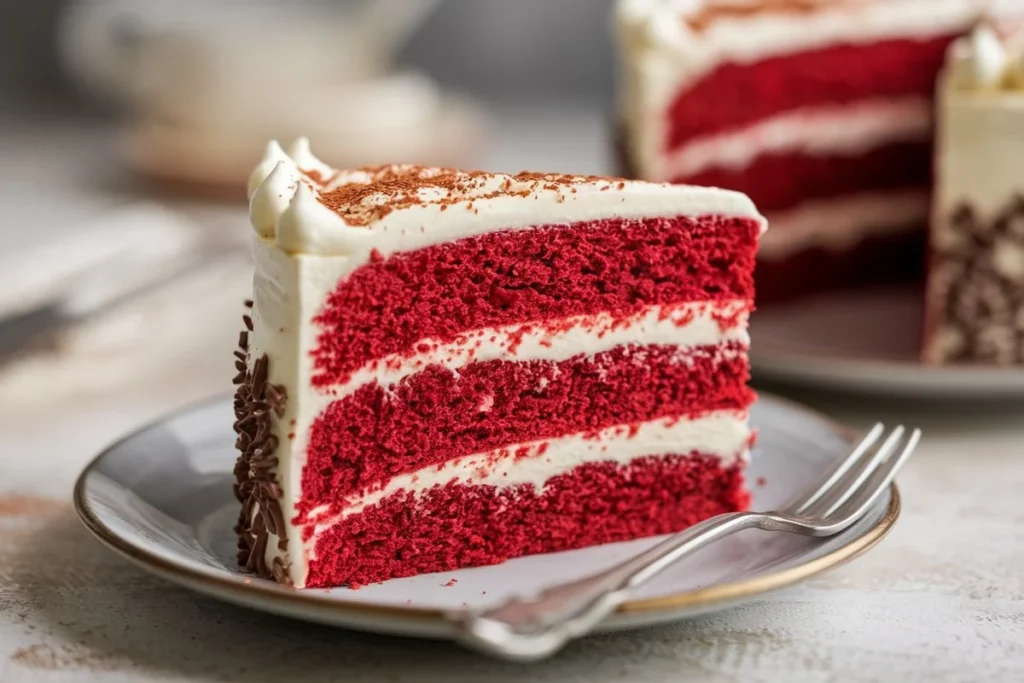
248 589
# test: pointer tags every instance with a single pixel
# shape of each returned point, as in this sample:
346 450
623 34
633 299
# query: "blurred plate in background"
865 342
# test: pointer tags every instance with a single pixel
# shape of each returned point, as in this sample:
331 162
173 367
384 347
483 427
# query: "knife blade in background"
132 252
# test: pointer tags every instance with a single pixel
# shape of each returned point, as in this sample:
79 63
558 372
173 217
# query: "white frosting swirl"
981 61
272 197
307 226
271 156
306 161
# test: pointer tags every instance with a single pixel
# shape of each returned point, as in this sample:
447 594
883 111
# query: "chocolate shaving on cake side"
256 485
979 290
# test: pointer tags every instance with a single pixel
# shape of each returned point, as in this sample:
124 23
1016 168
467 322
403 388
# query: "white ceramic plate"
162 497
864 341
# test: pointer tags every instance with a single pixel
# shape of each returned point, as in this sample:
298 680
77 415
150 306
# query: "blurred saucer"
865 342
214 159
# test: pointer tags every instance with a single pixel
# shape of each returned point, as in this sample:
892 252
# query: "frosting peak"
272 154
984 61
272 196
306 161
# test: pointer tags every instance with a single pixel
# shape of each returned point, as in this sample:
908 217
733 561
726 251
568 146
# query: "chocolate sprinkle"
256 486
280 573
976 288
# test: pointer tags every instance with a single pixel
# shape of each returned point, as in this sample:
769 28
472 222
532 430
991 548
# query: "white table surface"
941 599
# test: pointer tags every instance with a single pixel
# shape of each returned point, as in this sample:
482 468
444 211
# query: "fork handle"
543 622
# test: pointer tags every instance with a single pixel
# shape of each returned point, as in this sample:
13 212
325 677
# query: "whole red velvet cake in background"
821 111
445 369
975 289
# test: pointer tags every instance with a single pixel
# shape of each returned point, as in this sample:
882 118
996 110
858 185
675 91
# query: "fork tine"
877 483
855 478
805 499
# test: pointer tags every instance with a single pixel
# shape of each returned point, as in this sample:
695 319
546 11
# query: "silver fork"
526 629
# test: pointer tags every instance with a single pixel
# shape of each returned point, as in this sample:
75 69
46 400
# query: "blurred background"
128 128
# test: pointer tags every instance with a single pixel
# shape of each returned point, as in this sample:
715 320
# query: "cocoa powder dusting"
391 188
716 11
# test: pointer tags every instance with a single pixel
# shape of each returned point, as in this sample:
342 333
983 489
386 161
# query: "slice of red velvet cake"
445 369
821 111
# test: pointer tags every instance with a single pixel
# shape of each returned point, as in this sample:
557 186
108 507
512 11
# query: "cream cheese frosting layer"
309 208
686 326
721 434
837 224
819 131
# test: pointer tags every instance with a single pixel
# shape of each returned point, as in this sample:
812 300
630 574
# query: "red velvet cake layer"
436 415
876 260
736 95
456 526
550 272
776 182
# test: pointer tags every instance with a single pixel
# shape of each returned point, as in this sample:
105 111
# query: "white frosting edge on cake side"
820 131
285 206
724 435
659 54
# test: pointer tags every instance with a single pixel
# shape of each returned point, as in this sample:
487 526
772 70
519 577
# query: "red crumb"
761 481
450 583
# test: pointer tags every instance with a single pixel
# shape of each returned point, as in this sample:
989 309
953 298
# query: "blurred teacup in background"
205 85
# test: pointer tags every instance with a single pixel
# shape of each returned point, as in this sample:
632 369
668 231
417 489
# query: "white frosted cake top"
307 207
